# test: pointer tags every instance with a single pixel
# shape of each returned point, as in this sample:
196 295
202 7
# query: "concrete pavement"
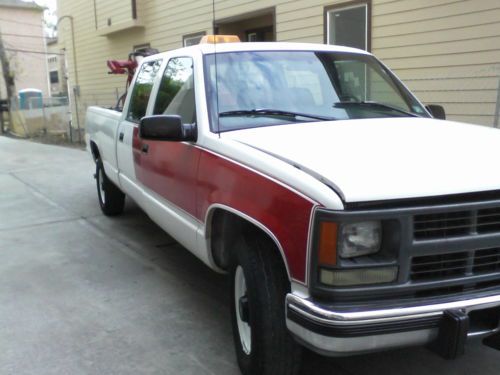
81 293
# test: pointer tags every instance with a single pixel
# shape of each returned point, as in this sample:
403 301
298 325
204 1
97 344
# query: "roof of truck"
273 46
263 46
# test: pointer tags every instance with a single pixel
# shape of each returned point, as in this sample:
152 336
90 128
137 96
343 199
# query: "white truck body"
424 188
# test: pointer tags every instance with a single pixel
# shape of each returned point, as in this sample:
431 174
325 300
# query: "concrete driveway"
81 293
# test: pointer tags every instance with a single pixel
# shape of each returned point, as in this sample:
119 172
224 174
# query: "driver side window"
176 91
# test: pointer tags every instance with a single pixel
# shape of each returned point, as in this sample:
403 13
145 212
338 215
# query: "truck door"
126 145
167 170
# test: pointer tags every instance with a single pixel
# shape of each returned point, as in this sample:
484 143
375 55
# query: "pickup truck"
349 217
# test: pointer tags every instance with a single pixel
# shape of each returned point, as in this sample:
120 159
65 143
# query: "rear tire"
259 284
111 199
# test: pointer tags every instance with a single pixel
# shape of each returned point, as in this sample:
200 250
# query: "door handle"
145 148
120 137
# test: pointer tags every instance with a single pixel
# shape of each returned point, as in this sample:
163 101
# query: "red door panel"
168 169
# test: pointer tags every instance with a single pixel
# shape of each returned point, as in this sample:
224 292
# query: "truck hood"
390 158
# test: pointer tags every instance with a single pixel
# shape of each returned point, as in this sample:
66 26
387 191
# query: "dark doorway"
253 27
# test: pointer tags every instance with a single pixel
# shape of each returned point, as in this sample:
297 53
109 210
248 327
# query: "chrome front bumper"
341 333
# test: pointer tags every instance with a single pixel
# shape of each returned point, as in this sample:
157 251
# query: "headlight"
358 239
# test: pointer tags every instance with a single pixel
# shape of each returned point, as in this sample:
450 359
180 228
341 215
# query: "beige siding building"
23 37
446 51
56 67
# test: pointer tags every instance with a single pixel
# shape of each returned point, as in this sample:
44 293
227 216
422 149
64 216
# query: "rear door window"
142 90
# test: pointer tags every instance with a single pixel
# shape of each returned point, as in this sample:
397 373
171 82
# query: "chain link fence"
44 119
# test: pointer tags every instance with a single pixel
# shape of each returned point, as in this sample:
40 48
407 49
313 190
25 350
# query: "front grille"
443 248
453 224
442 225
453 265
432 267
486 261
488 220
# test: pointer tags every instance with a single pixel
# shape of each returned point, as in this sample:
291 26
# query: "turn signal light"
327 254
212 39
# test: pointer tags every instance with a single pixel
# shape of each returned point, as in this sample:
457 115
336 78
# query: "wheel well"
226 228
95 150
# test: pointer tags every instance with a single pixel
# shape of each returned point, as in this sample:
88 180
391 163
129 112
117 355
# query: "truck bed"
101 124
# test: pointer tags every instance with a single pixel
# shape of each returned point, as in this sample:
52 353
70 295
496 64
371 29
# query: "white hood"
379 159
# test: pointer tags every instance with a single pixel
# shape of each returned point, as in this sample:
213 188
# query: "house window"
192 39
54 77
261 34
349 25
141 46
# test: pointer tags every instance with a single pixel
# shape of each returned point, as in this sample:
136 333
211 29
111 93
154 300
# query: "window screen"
348 27
142 90
176 92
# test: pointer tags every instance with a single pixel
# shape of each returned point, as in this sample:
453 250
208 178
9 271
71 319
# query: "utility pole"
8 77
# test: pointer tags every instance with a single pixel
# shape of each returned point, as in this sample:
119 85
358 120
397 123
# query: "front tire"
259 284
111 199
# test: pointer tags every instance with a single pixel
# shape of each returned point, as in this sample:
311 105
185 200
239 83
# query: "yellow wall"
446 51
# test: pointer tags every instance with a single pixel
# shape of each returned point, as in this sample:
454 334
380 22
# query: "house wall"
55 60
446 51
30 68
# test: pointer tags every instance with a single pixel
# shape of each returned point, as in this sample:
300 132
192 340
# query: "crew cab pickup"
348 218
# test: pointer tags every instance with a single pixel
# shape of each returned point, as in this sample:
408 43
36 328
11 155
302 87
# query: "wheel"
111 199
259 284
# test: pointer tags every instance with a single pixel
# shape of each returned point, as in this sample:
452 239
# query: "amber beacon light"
213 39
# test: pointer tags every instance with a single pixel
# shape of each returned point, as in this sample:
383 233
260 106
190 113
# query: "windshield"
264 88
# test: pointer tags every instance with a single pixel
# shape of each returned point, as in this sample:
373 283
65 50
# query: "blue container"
30 99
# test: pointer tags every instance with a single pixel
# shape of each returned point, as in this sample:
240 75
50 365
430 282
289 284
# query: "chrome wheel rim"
102 193
240 291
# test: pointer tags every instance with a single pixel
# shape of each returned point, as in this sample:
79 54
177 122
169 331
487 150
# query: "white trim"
258 224
309 245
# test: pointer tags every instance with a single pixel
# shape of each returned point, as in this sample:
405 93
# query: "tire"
111 199
259 284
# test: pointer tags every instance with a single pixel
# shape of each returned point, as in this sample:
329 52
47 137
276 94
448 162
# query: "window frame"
137 47
346 6
200 34
56 82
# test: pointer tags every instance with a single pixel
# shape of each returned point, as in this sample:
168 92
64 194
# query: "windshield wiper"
273 112
375 104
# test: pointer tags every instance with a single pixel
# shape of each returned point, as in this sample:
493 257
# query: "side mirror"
166 128
437 111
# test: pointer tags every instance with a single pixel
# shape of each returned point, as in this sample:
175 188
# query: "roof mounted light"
212 39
